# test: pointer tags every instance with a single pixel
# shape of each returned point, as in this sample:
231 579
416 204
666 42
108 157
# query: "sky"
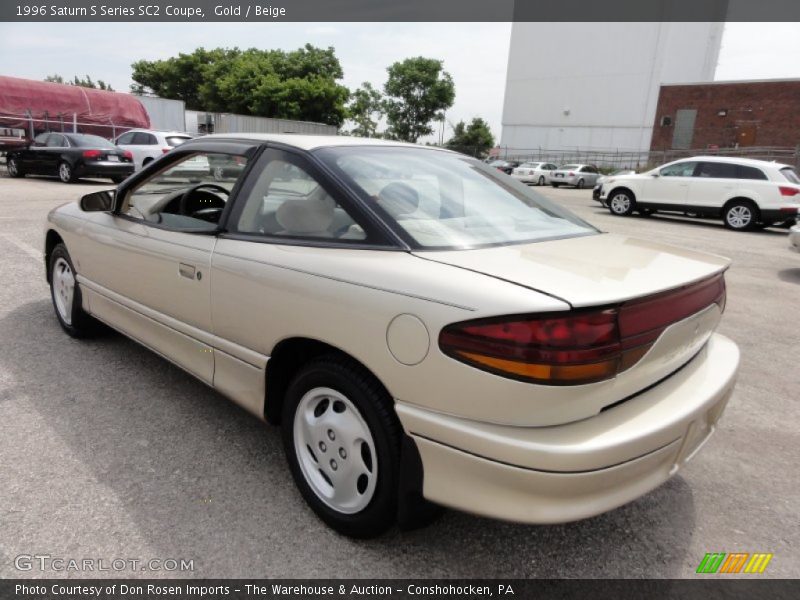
475 54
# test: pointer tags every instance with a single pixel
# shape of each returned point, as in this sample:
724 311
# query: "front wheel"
740 216
342 442
65 173
66 296
13 168
621 203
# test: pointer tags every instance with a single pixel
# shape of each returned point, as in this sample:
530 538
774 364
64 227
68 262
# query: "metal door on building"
746 134
684 128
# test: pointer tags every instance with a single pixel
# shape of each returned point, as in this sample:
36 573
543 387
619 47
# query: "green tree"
301 84
475 139
419 90
365 110
87 83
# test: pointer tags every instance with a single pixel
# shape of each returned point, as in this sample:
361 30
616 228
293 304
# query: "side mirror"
98 201
654 174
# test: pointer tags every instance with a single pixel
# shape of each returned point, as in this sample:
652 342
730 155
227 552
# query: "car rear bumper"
794 238
524 178
573 471
784 213
104 169
596 192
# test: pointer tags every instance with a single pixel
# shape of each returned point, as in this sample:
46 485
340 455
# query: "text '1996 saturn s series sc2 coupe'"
426 330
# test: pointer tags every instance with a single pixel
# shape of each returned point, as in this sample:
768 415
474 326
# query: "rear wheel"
65 173
342 442
555 185
66 296
118 178
13 168
621 203
580 184
740 215
541 179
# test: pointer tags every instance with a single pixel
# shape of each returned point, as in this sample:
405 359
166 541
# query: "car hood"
591 270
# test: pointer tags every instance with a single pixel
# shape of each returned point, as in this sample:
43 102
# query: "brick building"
728 114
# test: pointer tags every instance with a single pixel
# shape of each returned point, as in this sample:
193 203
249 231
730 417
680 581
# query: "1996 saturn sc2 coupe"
426 330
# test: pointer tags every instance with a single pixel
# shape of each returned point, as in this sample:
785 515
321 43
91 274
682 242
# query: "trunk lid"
593 270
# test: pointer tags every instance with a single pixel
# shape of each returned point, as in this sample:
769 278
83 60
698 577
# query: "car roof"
308 142
164 131
754 162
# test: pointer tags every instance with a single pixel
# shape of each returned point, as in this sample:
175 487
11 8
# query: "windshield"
443 200
93 141
790 174
569 167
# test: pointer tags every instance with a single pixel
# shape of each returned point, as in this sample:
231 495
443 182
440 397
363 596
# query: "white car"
533 172
146 145
742 192
421 327
580 176
603 178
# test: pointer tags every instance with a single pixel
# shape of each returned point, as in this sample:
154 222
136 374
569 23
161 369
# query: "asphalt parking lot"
108 451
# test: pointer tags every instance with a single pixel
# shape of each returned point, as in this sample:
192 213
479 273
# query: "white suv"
743 192
147 145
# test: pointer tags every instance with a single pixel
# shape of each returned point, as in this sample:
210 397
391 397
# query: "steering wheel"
187 194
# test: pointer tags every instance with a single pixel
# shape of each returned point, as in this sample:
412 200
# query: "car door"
668 185
146 265
144 146
51 155
288 222
589 175
712 185
31 157
125 142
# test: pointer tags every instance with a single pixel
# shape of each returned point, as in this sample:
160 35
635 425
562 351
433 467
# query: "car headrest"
398 199
305 216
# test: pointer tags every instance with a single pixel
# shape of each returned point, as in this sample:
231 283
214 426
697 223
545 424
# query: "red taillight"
165 150
128 154
788 191
571 174
580 347
91 153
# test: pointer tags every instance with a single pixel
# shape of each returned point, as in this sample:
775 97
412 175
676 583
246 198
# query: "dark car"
506 166
70 156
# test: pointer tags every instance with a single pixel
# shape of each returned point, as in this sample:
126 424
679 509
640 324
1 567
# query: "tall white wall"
595 85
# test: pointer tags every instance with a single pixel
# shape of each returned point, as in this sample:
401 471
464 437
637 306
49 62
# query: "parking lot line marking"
24 246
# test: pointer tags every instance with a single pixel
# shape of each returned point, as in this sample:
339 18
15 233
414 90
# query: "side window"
743 172
140 139
125 139
56 141
186 196
716 170
287 201
151 139
40 140
681 169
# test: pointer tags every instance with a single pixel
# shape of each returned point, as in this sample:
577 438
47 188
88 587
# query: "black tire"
79 323
555 185
740 215
374 406
146 161
13 168
580 184
541 179
65 172
118 179
621 203
646 212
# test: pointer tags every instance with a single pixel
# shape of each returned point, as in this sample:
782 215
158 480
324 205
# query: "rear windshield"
790 174
176 140
442 200
90 141
568 167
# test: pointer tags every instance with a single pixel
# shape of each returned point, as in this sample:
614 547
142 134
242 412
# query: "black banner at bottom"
422 589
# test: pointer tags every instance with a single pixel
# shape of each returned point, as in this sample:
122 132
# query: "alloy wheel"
335 450
12 167
64 172
620 204
740 216
63 289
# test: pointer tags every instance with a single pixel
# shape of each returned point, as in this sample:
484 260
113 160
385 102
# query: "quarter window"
125 139
749 173
287 201
681 169
56 141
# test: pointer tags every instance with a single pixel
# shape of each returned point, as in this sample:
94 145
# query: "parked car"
422 330
533 172
506 166
742 192
146 145
70 156
579 176
599 183
794 237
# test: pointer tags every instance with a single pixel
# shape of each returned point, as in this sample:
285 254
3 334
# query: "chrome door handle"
186 270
